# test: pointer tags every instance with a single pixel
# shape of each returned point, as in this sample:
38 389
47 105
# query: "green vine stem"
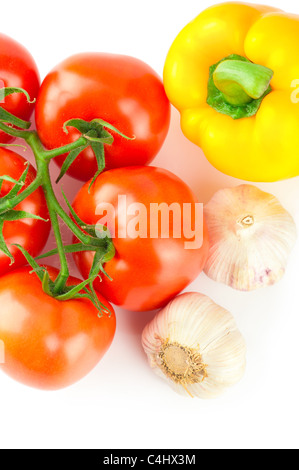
95 135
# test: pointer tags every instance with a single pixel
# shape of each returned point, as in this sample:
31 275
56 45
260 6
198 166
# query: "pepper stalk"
241 82
237 87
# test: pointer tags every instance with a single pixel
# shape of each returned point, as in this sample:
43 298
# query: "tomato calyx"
96 134
90 238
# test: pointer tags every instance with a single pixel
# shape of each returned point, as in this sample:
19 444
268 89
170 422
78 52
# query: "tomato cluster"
52 343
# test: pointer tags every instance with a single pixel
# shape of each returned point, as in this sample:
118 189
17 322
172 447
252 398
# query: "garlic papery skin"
251 237
196 346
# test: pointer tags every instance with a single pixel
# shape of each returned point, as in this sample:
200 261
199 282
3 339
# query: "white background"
122 404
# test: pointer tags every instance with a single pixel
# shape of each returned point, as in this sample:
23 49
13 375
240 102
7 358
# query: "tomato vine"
95 134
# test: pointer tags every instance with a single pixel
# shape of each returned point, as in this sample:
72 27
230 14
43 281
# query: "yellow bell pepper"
233 73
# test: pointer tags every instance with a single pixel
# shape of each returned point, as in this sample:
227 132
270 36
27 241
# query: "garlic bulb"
195 345
251 237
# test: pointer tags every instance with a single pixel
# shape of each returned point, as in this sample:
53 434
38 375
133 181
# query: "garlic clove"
196 346
251 237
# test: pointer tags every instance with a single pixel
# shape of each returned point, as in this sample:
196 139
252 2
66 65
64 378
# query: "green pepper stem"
241 82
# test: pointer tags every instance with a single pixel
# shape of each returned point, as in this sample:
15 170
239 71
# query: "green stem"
86 239
13 132
51 203
12 203
49 154
73 248
43 158
241 82
44 176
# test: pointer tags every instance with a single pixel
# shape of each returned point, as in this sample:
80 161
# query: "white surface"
122 404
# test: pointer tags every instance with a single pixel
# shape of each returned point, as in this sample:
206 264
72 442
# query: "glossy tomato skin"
146 272
121 90
17 69
31 234
49 344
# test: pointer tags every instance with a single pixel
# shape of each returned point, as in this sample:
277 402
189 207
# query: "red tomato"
31 234
122 90
49 344
147 270
17 70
